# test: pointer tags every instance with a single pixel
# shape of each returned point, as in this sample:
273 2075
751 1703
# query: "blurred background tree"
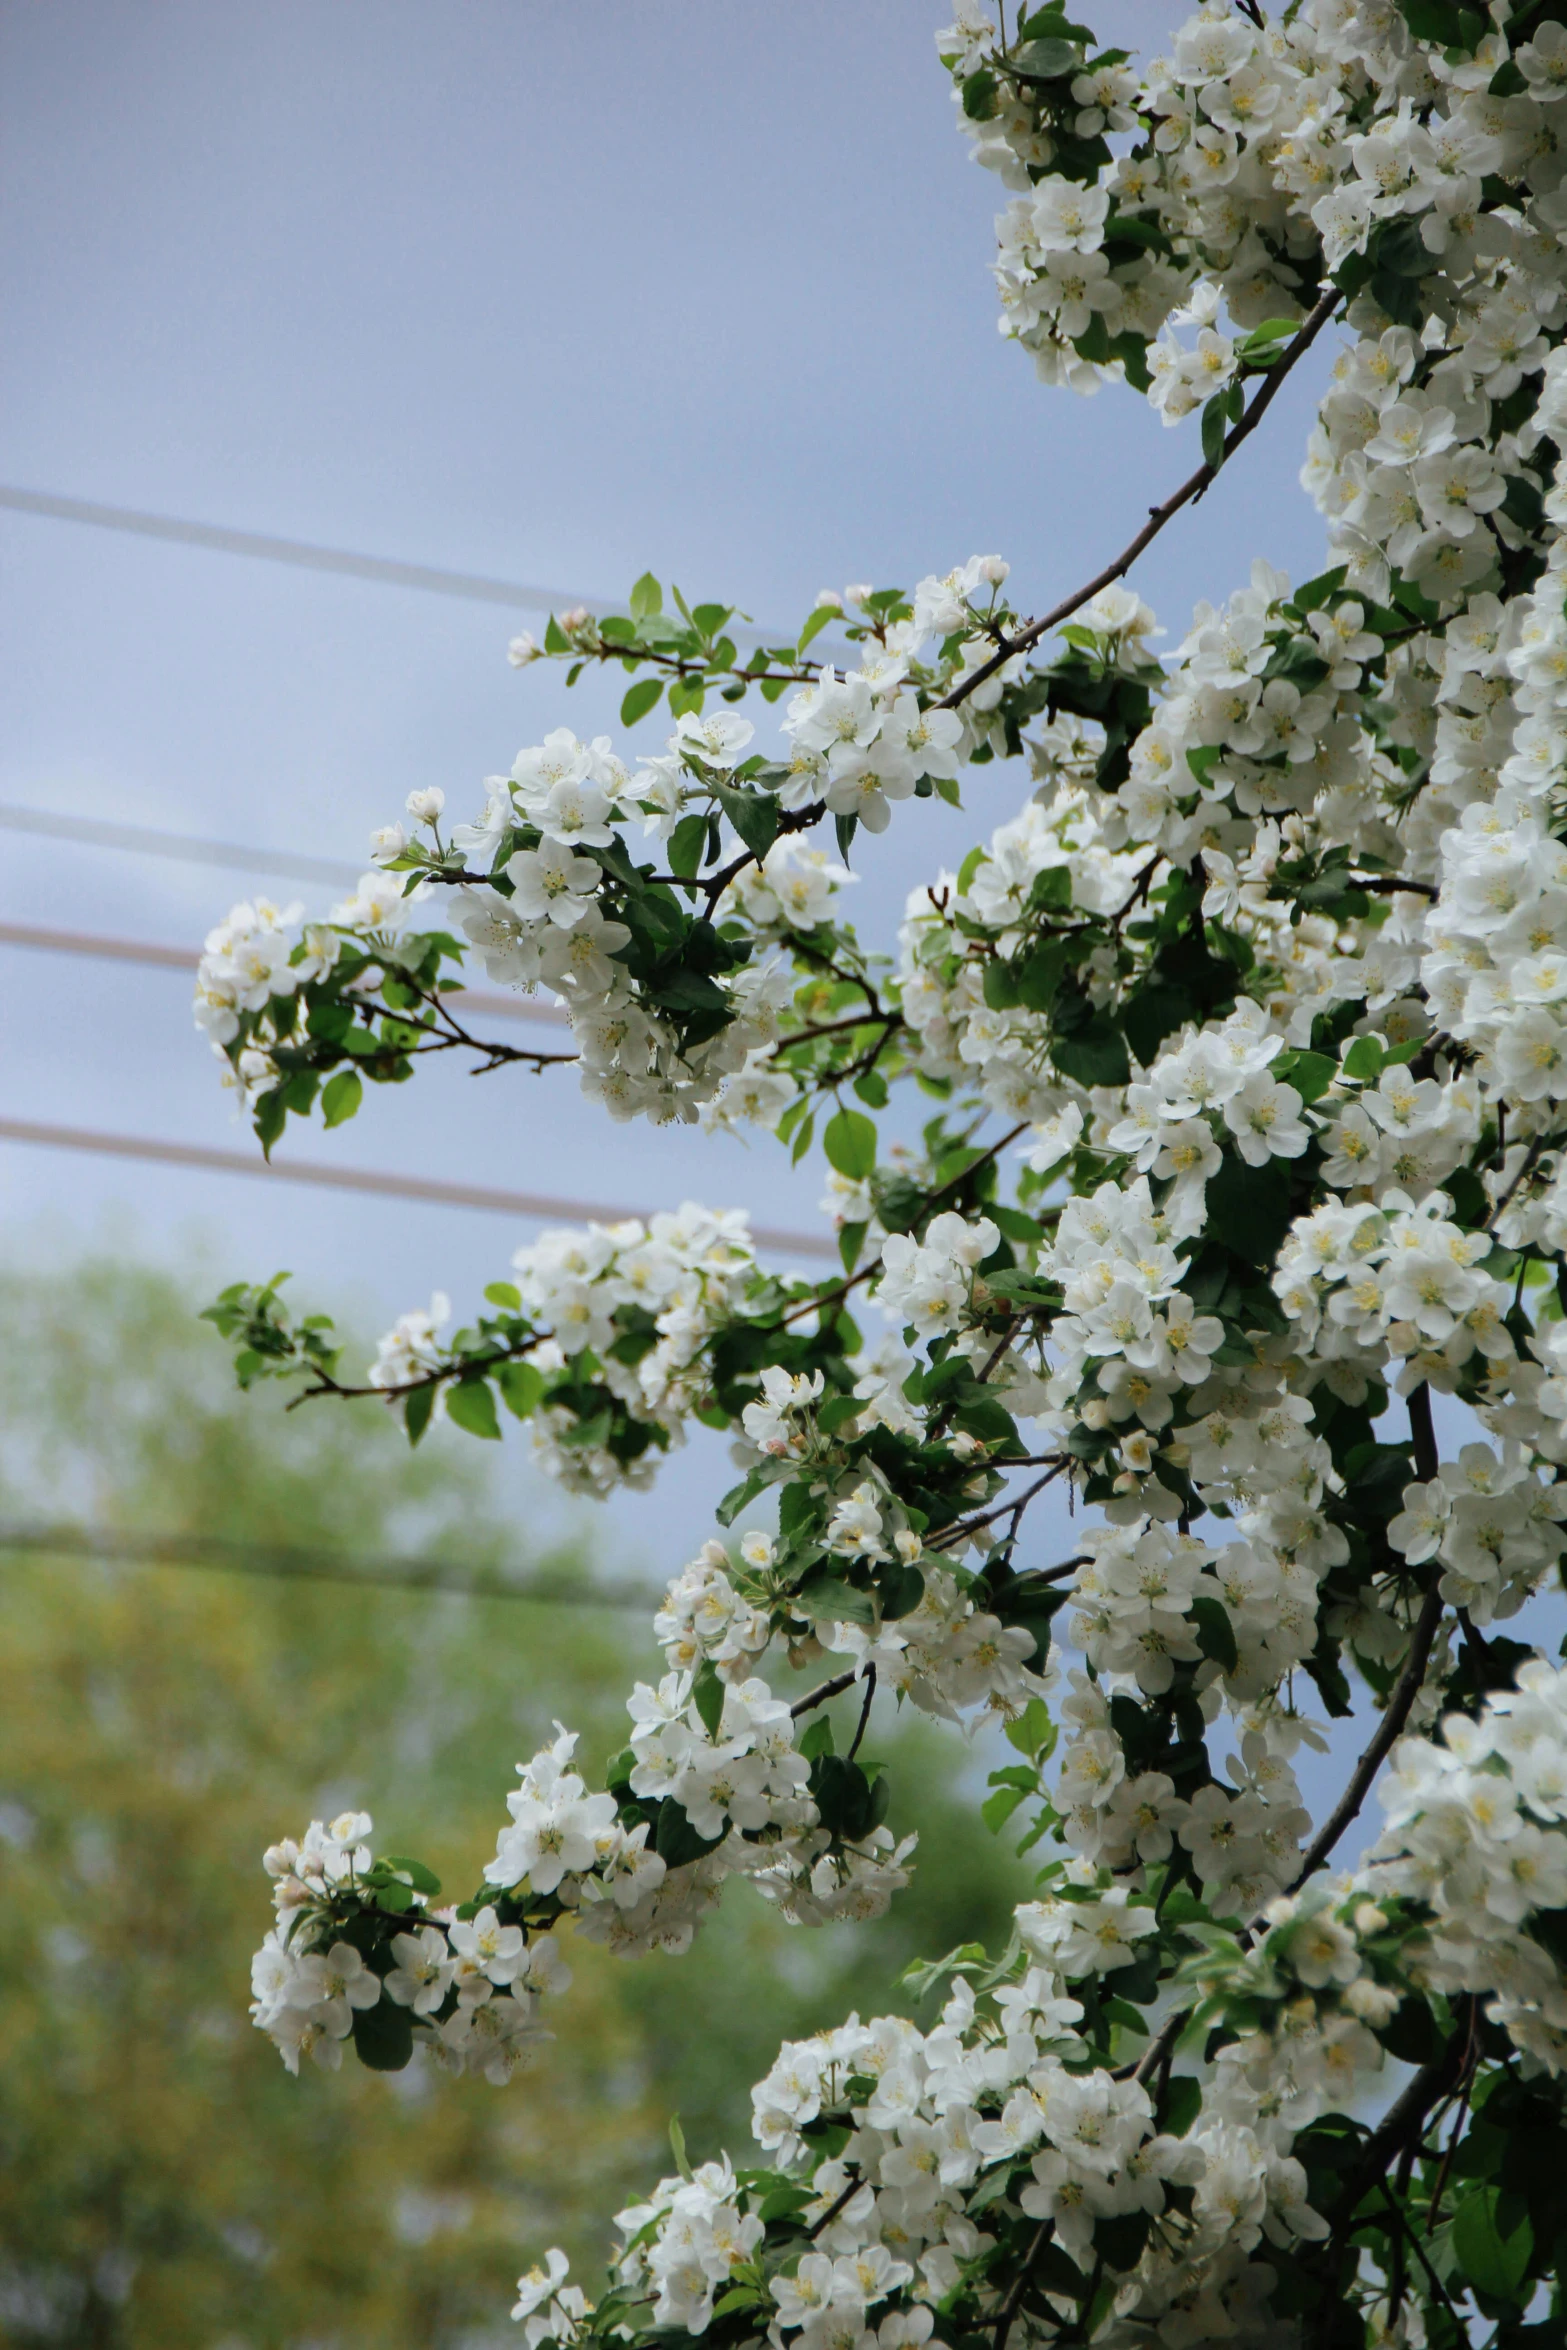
164 2185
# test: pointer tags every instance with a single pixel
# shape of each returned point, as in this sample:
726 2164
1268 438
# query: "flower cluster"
1246 1040
604 1330
913 2152
466 1985
1477 1836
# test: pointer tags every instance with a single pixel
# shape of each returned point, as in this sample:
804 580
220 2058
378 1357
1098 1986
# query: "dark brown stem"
963 1526
1019 2286
327 1385
1404 2118
865 1710
1406 2235
837 2204
1388 885
1466 2079
823 1690
1531 1158
1158 516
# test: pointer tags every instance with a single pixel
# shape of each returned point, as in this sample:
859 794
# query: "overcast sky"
551 294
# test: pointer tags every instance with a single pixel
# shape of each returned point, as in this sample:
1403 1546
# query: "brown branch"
837 2204
1158 516
865 1711
1390 884
823 1690
1014 2300
327 1385
963 1526
1531 1158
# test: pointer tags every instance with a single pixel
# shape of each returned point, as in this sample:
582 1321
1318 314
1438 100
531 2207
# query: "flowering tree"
1246 1068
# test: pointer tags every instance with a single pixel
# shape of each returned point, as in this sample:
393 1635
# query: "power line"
185 848
305 555
302 554
218 1553
367 1179
147 952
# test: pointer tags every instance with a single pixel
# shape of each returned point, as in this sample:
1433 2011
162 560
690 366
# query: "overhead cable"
302 554
305 555
366 1179
94 944
218 1553
185 848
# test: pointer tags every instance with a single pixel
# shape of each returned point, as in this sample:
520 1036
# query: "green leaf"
521 1386
1182 2104
270 1119
817 1739
470 1405
686 844
502 1293
677 2146
849 1140
423 1880
997 1809
416 1412
639 699
902 1589
1444 23
1250 1207
1154 1012
1032 1732
1310 1073
1094 1053
754 815
646 598
979 95
827 1600
1215 1632
707 1695
341 1097
851 1239
823 617
384 2036
1215 424
1492 2262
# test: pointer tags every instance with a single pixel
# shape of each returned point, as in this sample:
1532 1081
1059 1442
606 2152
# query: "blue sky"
552 294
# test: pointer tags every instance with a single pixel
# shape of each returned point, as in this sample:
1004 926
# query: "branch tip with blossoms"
1243 1055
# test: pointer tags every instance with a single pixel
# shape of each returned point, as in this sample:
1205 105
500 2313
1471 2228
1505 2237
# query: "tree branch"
823 1690
1030 634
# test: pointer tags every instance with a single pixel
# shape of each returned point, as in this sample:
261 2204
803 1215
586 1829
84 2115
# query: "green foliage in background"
163 2184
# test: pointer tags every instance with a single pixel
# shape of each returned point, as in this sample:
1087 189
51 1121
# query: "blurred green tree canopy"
164 2185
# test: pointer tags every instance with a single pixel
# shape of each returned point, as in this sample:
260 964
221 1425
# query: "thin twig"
837 2204
1390 884
963 1526
865 1710
823 1690
1013 2302
327 1385
1531 1156
1158 516
1408 2236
